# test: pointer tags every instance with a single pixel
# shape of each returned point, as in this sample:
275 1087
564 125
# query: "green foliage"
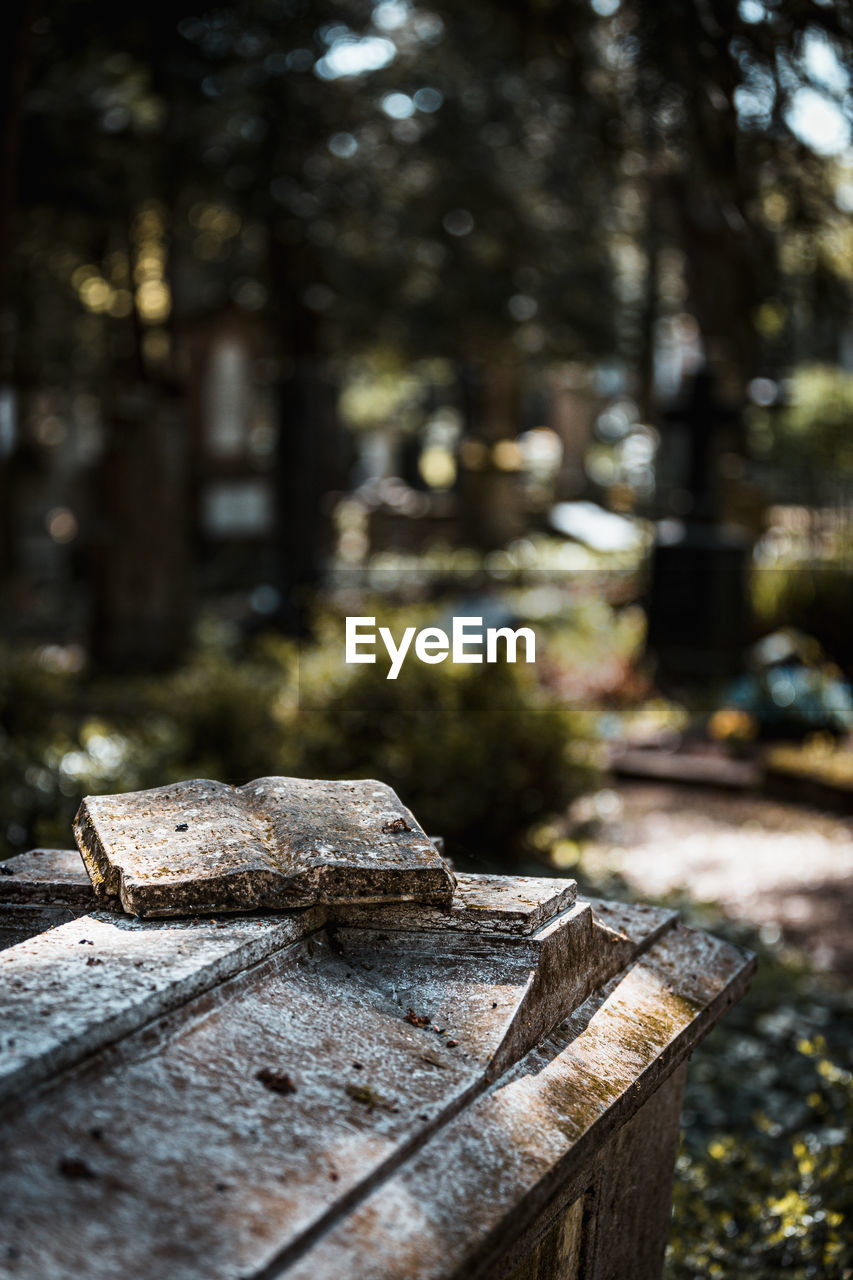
220 713
478 753
63 735
762 1184
813 429
502 154
816 600
34 719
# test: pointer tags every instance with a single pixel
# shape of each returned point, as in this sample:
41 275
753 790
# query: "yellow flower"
730 724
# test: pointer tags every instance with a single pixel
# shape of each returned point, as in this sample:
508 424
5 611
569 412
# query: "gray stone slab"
70 991
101 975
231 1167
625 930
453 1210
447 981
202 846
47 876
564 961
629 1210
480 904
68 994
235 1133
64 1001
22 920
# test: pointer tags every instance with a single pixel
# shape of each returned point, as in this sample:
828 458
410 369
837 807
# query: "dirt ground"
785 868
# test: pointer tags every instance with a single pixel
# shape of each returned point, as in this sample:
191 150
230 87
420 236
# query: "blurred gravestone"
698 603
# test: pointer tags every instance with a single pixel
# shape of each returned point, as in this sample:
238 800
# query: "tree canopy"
545 179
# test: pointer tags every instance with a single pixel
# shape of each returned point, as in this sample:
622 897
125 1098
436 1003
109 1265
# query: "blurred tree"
724 114
444 180
412 207
15 27
97 268
495 184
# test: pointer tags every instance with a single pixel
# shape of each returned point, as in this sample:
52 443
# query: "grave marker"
479 1082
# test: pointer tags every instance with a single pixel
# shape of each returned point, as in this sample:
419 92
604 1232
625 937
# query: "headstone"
484 1086
489 489
698 603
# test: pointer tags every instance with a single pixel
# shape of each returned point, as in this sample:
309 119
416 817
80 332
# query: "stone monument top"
398 1075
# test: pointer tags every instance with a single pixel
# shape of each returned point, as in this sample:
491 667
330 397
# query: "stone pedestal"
484 1086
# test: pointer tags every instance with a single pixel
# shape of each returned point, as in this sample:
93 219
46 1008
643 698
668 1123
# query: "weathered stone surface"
480 904
617 1228
186 1109
630 1202
72 990
47 876
22 920
104 975
557 1255
576 957
449 980
389 1153
40 890
66 1001
204 846
531 1140
396 1075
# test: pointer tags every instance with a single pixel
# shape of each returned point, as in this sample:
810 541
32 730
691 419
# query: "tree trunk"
142 571
16 19
308 468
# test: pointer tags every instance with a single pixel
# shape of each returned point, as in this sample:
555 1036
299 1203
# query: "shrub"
478 753
816 599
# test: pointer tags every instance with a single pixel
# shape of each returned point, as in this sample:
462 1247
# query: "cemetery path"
785 868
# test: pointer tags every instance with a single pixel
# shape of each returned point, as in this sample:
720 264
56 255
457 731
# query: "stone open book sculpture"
204 846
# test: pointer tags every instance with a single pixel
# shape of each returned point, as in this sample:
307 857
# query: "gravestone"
482 1080
698 614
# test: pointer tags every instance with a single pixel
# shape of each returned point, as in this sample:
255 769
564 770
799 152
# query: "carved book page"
202 846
